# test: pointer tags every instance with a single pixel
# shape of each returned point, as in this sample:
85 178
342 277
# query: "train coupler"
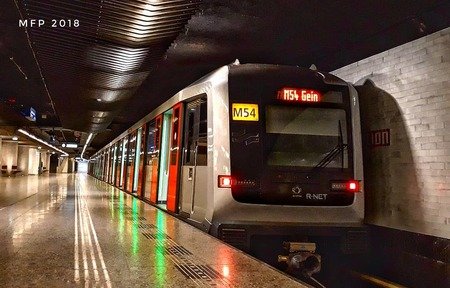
301 258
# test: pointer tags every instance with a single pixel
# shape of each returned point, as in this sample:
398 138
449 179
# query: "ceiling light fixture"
85 145
15 138
42 141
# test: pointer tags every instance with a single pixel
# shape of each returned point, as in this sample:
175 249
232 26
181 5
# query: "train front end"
295 161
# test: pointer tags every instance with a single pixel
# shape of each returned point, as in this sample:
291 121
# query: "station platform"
71 230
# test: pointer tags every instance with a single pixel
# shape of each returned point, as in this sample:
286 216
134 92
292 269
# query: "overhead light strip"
42 141
86 144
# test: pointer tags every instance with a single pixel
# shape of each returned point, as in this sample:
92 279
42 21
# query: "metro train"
248 152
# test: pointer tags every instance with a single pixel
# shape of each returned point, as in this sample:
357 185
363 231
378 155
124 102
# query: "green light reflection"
160 260
135 227
161 221
111 203
121 217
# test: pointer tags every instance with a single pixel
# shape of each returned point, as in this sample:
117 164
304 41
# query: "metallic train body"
256 198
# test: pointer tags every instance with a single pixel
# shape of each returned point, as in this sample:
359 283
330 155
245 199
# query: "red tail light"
350 186
225 181
353 186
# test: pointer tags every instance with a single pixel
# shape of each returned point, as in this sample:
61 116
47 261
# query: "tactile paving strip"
178 250
185 261
198 271
146 226
134 218
152 236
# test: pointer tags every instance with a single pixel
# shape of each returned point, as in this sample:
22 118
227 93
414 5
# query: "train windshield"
305 136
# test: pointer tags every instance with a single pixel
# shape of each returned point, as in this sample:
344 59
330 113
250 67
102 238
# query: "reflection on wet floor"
78 231
22 227
163 246
15 189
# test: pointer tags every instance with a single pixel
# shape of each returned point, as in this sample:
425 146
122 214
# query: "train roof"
259 69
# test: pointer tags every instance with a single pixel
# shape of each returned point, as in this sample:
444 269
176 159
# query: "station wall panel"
408 181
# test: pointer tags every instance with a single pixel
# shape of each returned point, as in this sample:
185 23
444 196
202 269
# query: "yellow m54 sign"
245 112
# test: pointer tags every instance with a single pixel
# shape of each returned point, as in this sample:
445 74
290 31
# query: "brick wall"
408 182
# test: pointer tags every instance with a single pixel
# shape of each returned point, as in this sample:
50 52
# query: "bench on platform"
14 170
4 170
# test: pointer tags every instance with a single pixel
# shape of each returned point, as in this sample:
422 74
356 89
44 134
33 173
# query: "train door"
123 167
174 158
163 180
111 164
131 160
118 163
106 166
153 155
194 169
140 160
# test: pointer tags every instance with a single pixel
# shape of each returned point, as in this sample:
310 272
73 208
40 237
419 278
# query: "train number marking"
245 112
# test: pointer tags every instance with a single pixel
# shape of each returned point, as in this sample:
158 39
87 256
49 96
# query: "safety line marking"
86 235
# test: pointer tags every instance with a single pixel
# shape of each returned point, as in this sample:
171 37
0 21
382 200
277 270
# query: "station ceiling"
124 58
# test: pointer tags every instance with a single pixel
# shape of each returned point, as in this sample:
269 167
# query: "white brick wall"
408 182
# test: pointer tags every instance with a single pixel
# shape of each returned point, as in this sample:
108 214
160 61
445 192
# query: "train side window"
195 144
151 143
202 140
189 134
203 121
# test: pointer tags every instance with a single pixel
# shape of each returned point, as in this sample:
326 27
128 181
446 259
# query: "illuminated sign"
245 112
29 113
380 137
299 95
69 145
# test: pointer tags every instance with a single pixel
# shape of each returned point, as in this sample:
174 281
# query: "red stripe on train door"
174 158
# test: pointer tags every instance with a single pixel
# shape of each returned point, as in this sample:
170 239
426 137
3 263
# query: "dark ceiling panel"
100 51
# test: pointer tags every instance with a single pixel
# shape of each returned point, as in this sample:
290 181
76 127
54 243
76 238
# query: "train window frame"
150 148
195 131
272 131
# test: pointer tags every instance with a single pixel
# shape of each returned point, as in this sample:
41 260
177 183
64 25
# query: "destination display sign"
299 95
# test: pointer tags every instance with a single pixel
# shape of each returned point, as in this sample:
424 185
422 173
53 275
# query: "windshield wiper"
330 156
338 149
